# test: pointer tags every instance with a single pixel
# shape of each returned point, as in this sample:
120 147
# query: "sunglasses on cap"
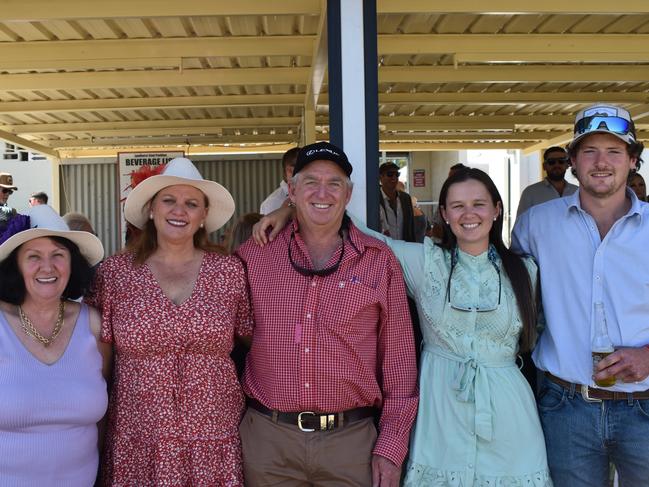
557 160
7 191
616 125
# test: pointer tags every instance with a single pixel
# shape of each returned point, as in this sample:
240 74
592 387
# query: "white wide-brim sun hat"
180 171
44 221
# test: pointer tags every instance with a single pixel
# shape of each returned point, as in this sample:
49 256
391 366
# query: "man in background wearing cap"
591 248
280 196
6 189
332 347
395 211
554 185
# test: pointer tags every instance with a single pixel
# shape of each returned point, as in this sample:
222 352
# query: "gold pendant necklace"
30 330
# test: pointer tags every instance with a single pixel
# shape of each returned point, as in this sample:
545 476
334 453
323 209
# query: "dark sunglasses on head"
557 160
617 125
391 174
8 191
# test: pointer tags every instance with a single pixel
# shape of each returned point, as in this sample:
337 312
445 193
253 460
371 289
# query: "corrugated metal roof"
80 75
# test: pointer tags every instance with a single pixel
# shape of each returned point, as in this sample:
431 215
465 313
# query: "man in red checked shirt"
332 347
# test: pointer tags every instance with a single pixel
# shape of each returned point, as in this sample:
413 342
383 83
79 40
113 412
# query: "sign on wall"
419 178
129 162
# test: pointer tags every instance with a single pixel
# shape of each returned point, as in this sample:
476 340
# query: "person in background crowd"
554 185
53 368
333 344
396 211
279 197
477 423
78 221
591 248
637 184
39 198
241 232
7 188
171 306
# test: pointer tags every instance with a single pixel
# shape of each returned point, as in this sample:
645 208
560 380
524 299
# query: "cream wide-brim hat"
44 221
180 171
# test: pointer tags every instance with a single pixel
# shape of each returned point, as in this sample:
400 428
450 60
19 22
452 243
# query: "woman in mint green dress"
477 423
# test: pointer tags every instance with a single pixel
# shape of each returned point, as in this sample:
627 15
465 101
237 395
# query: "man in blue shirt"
591 248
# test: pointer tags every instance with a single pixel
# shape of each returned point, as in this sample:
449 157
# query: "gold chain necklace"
29 328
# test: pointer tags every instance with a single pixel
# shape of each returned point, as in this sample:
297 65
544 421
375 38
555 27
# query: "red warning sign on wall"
419 178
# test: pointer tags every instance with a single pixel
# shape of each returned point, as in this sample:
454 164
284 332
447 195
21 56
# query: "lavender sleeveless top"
48 413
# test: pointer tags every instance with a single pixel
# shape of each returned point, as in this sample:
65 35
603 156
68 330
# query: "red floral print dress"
175 403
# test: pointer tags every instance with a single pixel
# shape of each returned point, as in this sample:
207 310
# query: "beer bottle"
602 344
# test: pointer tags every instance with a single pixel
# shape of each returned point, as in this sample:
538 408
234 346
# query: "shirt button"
597 278
306 350
470 465
313 284
308 315
341 284
306 385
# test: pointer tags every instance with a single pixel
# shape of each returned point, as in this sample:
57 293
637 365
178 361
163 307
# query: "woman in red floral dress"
172 306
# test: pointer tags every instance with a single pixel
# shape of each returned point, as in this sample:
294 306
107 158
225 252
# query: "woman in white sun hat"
171 306
52 364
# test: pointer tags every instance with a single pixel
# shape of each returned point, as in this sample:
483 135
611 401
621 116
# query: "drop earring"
202 225
151 215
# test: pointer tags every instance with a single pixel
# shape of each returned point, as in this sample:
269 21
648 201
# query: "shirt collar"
573 202
359 240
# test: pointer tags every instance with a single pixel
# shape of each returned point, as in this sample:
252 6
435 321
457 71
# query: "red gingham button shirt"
333 343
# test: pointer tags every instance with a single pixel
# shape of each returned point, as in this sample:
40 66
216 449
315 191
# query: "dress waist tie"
471 385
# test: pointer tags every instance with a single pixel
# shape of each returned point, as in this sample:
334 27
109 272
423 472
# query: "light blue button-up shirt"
577 269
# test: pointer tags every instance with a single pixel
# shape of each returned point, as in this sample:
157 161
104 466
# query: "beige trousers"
279 454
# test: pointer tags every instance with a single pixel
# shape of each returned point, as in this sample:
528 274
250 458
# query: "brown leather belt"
596 394
309 421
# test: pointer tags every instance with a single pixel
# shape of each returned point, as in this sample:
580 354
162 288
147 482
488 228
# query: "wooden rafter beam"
32 55
299 76
512 74
158 78
28 144
446 146
200 124
161 102
189 140
475 136
40 10
517 44
190 125
318 64
512 7
414 99
510 98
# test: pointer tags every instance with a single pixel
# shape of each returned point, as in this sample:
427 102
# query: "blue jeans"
582 438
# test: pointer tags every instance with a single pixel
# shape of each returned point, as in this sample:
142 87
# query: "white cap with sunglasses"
608 119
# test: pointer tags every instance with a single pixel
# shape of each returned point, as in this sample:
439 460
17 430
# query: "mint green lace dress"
477 423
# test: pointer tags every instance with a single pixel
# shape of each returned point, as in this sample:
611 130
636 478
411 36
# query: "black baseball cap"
387 166
322 151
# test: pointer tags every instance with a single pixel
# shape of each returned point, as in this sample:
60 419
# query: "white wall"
29 177
436 164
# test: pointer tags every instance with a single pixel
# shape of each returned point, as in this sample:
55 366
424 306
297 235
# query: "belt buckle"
584 393
299 422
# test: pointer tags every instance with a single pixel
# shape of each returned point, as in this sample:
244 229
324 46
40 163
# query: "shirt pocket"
352 308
